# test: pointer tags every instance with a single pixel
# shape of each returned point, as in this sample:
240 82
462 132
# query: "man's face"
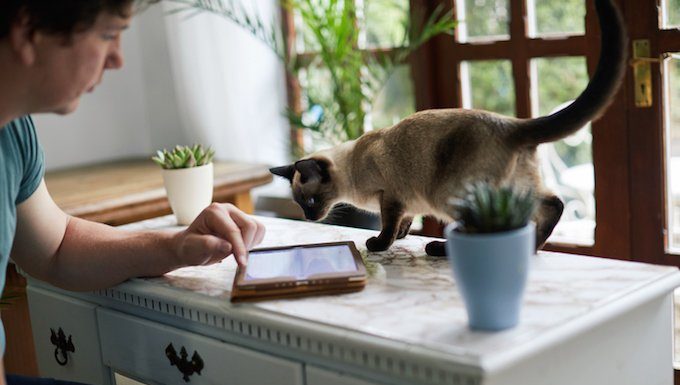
67 70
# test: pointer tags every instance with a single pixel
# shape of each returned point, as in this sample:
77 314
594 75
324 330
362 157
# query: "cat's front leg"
391 212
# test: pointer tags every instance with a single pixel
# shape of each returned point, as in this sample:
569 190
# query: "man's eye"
109 37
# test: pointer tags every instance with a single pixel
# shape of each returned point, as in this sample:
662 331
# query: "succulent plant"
184 157
490 209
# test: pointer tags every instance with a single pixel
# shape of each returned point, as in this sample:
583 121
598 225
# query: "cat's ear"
287 171
313 170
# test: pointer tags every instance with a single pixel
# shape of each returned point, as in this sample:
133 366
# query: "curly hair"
63 17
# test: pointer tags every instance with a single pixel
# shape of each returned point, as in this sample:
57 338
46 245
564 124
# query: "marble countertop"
412 298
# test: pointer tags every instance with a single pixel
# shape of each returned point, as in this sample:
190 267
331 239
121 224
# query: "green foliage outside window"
673 9
487 18
560 16
492 86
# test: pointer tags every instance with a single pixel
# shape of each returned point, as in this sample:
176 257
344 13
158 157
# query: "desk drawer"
79 360
144 349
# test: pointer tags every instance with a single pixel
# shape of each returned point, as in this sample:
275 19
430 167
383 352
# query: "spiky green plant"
184 157
490 209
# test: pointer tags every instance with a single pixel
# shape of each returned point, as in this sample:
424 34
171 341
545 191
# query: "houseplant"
188 179
489 246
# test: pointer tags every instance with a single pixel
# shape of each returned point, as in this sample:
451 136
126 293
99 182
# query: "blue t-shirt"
21 170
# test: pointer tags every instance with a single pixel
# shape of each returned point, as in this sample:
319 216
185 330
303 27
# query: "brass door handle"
642 72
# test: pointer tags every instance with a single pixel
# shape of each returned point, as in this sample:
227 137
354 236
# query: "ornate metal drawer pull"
183 365
63 346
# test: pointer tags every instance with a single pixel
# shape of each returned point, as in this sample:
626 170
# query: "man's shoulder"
22 123
20 129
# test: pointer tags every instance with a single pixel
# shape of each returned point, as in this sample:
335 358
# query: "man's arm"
76 254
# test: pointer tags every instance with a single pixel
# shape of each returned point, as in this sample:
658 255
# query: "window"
555 18
671 74
482 20
670 14
488 85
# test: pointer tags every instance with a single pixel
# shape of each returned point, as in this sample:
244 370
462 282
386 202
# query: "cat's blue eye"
311 201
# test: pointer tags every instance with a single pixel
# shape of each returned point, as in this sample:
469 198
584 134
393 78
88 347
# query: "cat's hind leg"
547 215
391 213
404 227
436 249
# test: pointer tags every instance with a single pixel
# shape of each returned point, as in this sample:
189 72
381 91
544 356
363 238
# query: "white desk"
585 321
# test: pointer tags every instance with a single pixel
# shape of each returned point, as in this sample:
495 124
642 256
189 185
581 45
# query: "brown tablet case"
287 287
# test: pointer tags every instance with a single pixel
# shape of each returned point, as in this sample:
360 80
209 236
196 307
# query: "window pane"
481 20
672 123
556 17
395 101
488 85
385 22
566 165
671 13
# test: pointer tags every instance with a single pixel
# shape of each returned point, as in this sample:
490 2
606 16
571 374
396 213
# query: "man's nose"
115 59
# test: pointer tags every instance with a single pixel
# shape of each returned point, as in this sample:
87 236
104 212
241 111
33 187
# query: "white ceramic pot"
189 191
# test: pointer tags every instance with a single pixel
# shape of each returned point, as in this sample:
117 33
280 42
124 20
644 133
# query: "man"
51 52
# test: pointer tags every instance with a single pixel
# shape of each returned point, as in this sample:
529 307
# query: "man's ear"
23 39
285 171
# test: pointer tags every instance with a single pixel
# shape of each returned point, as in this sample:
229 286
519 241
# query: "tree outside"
559 17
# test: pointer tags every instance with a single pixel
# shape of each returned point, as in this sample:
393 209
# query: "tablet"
300 270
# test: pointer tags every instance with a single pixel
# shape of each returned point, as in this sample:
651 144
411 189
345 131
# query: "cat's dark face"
312 185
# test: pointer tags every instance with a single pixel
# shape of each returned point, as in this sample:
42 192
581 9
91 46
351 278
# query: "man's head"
62 48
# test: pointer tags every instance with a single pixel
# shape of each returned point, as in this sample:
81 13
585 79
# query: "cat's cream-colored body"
399 161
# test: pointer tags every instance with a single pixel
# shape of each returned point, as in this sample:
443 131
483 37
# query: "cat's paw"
436 249
377 244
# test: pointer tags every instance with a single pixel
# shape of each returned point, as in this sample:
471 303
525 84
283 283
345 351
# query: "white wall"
152 102
110 123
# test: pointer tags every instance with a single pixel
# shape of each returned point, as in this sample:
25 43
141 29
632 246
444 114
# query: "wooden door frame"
647 152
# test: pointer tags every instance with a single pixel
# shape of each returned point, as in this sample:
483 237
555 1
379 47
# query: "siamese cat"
416 166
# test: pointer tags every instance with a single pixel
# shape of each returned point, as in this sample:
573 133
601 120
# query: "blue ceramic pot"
491 273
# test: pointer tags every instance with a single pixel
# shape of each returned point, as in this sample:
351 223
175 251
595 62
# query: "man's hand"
219 231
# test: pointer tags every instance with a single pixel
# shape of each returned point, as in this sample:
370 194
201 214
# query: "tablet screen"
299 262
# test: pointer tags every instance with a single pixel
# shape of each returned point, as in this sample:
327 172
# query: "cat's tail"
597 95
